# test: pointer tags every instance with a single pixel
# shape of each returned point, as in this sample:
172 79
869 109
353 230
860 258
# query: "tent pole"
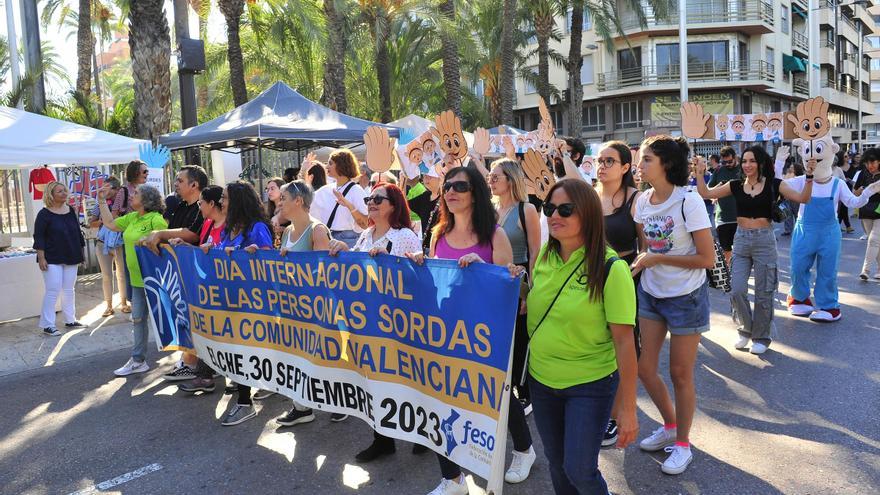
260 166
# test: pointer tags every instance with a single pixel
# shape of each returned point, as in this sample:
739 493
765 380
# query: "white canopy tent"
29 140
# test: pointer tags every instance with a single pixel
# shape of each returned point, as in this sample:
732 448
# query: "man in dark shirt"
184 222
725 213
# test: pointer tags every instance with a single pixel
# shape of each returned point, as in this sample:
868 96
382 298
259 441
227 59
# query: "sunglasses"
727 162
376 200
459 186
565 209
145 172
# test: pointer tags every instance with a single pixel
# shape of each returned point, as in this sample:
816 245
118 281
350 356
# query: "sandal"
108 312
126 308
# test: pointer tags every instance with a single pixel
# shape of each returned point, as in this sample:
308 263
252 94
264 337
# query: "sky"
64 42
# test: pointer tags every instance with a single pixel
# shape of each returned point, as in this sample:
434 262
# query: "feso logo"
478 437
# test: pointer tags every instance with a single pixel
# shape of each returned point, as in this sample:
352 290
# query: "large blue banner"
420 353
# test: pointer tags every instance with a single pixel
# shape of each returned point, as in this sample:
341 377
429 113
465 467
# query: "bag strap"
125 201
333 213
522 221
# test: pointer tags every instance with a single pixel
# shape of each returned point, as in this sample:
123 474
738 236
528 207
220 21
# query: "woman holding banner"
468 232
390 232
147 205
521 224
582 310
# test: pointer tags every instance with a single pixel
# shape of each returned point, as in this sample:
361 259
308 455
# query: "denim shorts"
683 315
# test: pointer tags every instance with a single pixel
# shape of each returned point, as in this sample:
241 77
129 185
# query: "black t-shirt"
421 205
186 216
869 210
60 237
759 206
433 218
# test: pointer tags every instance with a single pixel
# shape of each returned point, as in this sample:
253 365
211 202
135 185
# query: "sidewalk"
24 347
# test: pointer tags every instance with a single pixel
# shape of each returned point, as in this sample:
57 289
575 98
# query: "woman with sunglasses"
390 232
468 232
522 225
582 310
673 293
754 244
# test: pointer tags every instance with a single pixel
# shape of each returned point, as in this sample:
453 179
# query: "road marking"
125 478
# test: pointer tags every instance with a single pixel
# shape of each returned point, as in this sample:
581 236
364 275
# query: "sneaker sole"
339 420
178 378
824 320
240 421
298 421
206 390
610 442
132 372
658 447
263 397
677 470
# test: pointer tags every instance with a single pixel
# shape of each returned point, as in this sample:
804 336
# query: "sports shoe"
379 448
877 276
863 237
863 276
520 466
527 406
51 332
658 440
451 487
180 373
239 413
850 230
338 417
75 324
826 315
296 417
263 394
132 367
610 437
678 460
800 308
197 385
758 348
742 342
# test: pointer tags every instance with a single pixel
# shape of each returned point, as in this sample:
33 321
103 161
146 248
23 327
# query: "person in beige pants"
108 257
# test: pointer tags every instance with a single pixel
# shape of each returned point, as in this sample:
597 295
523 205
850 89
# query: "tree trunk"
573 66
543 30
508 59
232 11
451 71
85 48
151 67
96 71
202 80
383 68
334 62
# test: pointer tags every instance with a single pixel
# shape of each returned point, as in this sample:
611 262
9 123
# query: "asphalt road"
802 419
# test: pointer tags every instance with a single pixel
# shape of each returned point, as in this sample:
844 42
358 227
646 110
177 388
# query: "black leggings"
843 215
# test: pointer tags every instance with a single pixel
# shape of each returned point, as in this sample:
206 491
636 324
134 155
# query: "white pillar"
813 41
682 48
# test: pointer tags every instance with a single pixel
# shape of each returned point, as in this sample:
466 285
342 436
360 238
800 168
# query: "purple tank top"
443 250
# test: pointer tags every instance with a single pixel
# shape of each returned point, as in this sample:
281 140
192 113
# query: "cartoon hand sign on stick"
693 120
481 141
509 149
546 131
811 119
380 149
448 132
537 173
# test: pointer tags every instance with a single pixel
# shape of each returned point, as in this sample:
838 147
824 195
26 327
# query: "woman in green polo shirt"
147 206
582 309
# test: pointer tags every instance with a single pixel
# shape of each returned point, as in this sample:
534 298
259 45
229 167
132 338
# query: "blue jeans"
571 423
139 315
129 290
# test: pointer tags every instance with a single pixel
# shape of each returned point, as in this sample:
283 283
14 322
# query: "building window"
771 58
786 22
530 88
875 87
587 70
702 56
629 62
594 118
628 115
874 41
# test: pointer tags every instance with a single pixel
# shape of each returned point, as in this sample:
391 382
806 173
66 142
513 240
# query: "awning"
797 10
793 64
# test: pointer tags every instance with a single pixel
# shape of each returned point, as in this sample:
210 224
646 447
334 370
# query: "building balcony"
666 77
800 86
800 42
703 17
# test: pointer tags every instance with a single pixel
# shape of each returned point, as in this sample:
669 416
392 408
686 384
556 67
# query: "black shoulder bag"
522 221
333 213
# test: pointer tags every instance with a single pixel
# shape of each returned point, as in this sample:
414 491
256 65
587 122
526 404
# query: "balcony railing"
702 12
800 85
800 41
849 22
826 43
852 57
651 75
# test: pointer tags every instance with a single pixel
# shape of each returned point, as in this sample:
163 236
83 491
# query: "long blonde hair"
49 196
512 170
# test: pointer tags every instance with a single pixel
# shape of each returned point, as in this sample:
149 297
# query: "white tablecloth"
21 287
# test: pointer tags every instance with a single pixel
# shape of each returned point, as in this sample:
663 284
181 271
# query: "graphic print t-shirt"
668 233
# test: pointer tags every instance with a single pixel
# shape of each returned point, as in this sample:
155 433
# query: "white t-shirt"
402 241
843 195
325 201
668 233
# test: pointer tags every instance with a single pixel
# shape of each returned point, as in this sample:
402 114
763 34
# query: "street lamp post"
813 45
682 49
859 72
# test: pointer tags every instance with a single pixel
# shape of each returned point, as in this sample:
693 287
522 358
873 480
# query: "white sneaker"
863 237
451 487
659 439
520 466
742 343
758 348
678 460
132 367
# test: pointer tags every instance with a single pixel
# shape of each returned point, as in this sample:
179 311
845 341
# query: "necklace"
751 186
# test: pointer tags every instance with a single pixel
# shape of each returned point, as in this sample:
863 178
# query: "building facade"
744 56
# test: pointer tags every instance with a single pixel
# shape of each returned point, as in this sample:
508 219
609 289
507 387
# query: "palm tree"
451 71
150 43
508 59
85 48
544 14
334 61
232 11
573 63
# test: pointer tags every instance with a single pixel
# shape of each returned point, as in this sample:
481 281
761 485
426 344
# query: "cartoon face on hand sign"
448 132
537 173
811 119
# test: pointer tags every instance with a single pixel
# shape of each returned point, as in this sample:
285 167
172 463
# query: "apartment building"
744 56
871 123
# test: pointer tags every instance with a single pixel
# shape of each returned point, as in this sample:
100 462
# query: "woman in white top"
673 294
340 205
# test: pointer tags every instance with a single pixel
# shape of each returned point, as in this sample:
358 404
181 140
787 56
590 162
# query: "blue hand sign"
154 157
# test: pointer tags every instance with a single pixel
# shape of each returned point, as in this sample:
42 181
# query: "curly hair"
151 199
673 154
243 207
346 164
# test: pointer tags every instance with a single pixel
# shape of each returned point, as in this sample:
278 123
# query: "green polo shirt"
574 346
135 227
